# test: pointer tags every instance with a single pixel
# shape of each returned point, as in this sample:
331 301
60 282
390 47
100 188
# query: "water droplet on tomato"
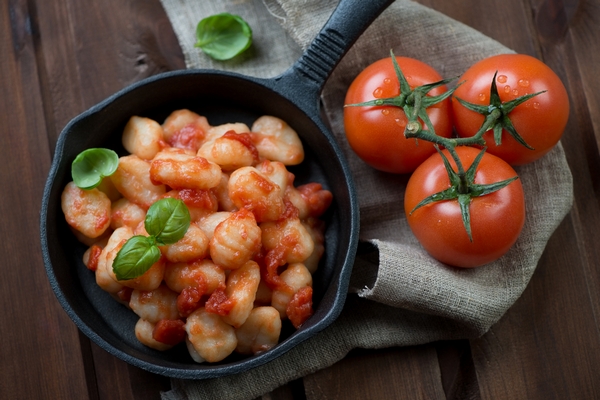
507 89
387 81
378 92
400 122
523 82
482 97
536 105
515 92
502 78
385 111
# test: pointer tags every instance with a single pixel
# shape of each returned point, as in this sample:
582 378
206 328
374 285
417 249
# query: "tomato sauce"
218 303
125 294
95 252
245 139
169 331
188 137
316 197
300 306
189 300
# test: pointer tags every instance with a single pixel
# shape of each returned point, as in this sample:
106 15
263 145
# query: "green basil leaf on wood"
223 36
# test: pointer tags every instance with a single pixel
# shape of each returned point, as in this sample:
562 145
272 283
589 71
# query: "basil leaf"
167 220
136 257
223 36
92 165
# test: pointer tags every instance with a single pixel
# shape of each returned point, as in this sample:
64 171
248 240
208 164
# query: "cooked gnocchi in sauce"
245 265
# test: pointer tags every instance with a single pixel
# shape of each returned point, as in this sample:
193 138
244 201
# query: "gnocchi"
244 267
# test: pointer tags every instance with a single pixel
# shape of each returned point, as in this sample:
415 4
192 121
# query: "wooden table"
57 58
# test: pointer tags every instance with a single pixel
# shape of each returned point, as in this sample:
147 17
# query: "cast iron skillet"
221 97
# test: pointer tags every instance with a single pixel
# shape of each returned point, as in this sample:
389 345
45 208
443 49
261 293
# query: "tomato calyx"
463 187
414 102
496 114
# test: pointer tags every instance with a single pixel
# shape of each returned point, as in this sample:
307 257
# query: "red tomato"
540 121
496 218
376 133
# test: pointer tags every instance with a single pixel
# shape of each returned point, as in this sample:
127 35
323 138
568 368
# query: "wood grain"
546 329
380 374
458 374
74 55
105 54
506 21
59 58
89 52
39 352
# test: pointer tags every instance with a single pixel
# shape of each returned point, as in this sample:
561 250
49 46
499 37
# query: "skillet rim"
341 276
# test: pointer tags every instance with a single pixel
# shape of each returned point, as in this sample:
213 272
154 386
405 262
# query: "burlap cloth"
399 295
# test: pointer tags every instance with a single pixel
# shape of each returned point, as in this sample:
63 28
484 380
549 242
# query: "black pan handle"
305 79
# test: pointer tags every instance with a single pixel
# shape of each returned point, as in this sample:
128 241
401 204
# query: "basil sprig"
166 222
223 36
92 165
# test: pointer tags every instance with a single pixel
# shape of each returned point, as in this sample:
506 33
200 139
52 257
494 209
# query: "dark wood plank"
459 378
571 56
397 373
86 52
120 381
40 356
292 391
506 21
546 346
583 37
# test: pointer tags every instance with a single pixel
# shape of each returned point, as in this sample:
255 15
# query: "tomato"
376 133
496 218
540 121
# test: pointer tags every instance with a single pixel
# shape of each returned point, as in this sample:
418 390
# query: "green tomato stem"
463 184
414 130
490 121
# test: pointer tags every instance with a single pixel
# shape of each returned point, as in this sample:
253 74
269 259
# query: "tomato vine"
415 102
